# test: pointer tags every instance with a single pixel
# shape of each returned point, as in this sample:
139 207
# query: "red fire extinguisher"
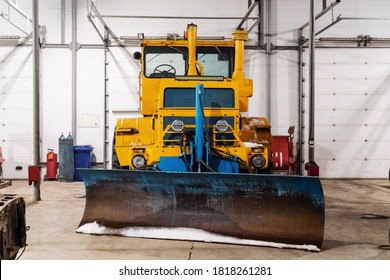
51 165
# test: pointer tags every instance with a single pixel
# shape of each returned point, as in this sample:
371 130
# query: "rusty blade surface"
272 208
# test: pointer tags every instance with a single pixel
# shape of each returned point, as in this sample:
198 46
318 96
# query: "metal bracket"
70 46
42 35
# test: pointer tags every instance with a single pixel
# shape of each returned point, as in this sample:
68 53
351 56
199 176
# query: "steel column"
106 104
301 106
74 70
62 21
268 50
312 82
36 97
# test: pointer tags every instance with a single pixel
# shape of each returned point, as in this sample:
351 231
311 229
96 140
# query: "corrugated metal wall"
352 97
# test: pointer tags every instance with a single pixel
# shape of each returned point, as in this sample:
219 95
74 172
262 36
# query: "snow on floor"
184 234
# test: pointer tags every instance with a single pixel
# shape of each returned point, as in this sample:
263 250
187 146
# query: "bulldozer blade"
265 210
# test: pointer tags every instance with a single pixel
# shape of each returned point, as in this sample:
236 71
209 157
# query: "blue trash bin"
82 159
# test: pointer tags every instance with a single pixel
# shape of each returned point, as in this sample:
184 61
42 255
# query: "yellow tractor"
161 138
192 161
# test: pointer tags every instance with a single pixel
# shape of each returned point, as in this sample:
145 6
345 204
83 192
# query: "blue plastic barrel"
65 159
82 159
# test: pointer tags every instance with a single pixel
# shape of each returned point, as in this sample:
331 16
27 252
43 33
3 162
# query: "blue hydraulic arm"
199 132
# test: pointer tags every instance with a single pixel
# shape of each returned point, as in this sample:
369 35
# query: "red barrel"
51 165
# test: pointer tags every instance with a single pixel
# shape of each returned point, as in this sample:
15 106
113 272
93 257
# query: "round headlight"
258 161
138 161
177 125
222 125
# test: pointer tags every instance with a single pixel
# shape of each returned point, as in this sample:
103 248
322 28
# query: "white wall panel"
123 73
352 119
15 109
90 100
56 96
286 18
255 62
284 91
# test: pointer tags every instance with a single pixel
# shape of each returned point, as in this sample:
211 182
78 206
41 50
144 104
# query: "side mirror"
137 56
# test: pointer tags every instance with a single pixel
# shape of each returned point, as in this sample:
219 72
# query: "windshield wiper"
176 49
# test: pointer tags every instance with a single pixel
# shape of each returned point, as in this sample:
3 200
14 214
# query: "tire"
115 162
114 159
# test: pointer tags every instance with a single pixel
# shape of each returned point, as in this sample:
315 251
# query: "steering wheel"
165 70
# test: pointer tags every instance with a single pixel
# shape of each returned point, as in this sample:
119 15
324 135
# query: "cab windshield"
169 61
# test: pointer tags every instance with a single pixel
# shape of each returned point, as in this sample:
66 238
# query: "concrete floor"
348 236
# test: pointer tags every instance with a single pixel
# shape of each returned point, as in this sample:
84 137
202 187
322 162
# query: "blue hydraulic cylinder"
199 133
